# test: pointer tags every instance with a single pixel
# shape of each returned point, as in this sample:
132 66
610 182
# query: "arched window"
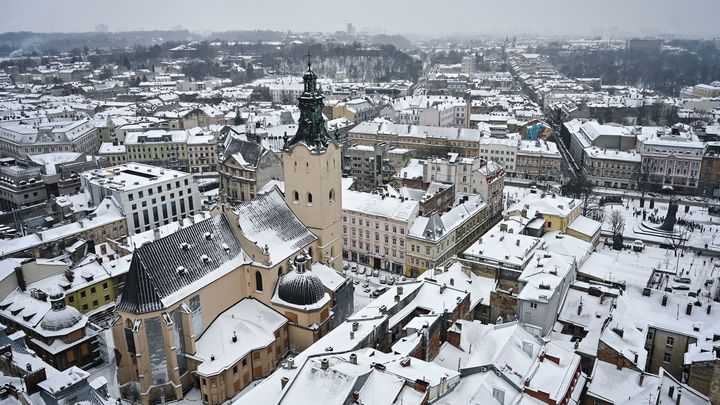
296 196
310 252
331 196
309 198
258 281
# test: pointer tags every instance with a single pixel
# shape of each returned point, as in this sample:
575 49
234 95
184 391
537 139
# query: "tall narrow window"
296 196
258 281
309 198
332 195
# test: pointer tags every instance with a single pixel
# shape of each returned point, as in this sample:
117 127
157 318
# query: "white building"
501 150
672 157
375 228
149 196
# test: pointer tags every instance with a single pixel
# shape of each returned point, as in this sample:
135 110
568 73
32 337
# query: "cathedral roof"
301 286
167 270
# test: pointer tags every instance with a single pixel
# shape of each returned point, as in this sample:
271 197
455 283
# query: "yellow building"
556 211
433 240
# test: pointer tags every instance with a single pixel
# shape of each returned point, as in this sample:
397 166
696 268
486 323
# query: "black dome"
301 287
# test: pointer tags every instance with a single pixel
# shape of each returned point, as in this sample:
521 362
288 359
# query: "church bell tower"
312 170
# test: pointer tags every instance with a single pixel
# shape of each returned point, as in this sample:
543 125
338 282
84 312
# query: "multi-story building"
113 153
245 168
611 168
554 212
710 170
20 185
672 159
159 147
374 165
489 180
58 333
19 140
202 153
433 239
543 286
427 141
375 229
500 149
455 170
538 159
149 196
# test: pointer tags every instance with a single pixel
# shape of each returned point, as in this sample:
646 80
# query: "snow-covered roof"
379 206
244 327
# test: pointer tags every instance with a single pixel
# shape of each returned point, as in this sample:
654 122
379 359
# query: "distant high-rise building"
349 28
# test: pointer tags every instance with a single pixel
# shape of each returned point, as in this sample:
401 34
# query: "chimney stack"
283 382
324 364
688 309
353 358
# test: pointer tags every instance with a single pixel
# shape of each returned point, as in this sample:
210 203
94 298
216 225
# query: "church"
217 304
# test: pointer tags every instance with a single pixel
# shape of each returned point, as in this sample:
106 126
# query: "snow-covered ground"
709 233
363 298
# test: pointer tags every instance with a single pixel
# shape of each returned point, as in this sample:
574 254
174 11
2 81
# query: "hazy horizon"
695 18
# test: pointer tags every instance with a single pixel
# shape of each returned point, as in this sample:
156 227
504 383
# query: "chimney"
353 358
452 281
356 397
355 326
283 382
352 335
399 290
21 279
688 309
664 300
324 364
708 308
579 308
405 362
642 378
679 395
290 362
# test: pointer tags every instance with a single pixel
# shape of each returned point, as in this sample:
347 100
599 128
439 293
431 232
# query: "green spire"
311 126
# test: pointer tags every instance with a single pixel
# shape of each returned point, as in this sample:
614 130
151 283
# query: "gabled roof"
269 221
166 270
246 153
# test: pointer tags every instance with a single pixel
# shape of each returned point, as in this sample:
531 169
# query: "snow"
478 287
377 205
49 160
250 322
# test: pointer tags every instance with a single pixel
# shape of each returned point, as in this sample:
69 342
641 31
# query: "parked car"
682 287
345 266
354 268
376 273
355 282
383 279
366 285
638 246
391 280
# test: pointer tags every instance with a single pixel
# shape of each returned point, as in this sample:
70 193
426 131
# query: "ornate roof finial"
309 56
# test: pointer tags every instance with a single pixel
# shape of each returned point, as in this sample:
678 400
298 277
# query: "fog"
691 18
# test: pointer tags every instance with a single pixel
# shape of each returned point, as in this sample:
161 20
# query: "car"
346 266
376 273
354 268
402 278
683 280
355 282
682 287
638 245
391 280
367 290
383 279
366 285
376 293
361 271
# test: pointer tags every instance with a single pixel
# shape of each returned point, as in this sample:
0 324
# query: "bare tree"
617 226
678 238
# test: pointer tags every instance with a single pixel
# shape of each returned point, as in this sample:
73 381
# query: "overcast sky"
697 18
